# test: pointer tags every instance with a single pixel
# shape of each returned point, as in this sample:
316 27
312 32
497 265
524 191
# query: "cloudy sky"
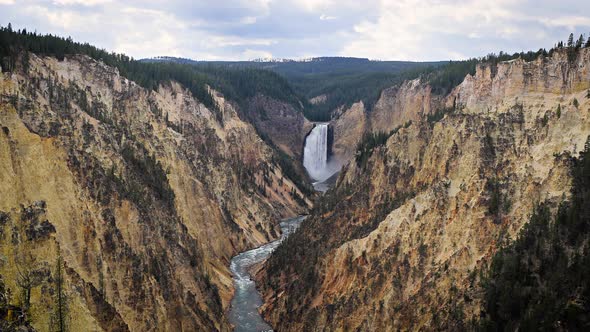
248 29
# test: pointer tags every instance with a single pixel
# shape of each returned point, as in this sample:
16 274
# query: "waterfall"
315 154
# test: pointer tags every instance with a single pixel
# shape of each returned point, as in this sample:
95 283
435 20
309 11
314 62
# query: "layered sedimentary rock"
401 240
145 196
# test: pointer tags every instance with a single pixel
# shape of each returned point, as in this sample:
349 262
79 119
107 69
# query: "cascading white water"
315 154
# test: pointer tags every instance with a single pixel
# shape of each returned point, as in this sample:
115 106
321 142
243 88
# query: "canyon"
212 207
403 238
145 195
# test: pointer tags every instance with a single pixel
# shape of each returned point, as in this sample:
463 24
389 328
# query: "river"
243 313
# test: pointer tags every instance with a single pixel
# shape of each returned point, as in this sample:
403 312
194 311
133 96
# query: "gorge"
243 312
173 195
407 236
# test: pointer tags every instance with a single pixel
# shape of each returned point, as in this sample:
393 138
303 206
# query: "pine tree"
27 270
580 42
60 313
570 40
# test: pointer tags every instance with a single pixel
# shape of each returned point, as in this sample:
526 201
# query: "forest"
345 81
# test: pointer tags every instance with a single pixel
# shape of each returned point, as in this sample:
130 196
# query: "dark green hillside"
343 80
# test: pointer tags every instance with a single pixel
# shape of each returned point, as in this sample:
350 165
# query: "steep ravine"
243 313
145 195
398 243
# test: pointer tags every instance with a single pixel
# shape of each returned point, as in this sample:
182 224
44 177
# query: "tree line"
237 84
13 44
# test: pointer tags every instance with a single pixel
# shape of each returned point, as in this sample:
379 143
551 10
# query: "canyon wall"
400 242
141 197
284 125
396 107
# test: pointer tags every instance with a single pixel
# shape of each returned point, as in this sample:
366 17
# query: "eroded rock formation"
399 243
145 195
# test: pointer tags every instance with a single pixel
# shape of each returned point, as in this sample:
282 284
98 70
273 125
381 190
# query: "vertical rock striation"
146 195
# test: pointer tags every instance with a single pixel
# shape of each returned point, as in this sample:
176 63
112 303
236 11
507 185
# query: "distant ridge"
282 60
342 80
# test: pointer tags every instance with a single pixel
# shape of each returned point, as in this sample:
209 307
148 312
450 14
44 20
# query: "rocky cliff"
397 106
284 125
141 197
400 241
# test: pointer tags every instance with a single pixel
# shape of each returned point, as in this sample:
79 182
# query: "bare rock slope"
145 196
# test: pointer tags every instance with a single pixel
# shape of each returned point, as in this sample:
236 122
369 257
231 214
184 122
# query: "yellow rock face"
144 194
397 107
406 235
348 131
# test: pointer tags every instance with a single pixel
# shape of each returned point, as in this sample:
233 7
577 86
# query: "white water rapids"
243 313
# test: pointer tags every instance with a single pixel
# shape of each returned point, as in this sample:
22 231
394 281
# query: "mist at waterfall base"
315 155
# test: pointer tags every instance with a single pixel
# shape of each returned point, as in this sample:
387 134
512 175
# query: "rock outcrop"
400 241
396 107
144 196
349 128
281 122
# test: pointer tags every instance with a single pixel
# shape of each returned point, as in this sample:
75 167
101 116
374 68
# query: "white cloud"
242 29
64 19
325 17
570 22
87 3
434 29
141 32
223 41
248 20
313 5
